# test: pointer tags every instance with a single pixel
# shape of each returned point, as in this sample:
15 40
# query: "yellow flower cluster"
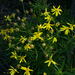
28 46
20 58
13 71
49 30
5 33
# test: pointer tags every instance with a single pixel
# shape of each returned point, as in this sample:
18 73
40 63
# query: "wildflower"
7 37
22 59
47 26
71 26
13 71
11 30
48 18
22 39
7 18
58 24
46 13
24 19
37 35
28 46
3 32
27 70
54 39
50 60
66 29
44 73
14 55
56 11
40 26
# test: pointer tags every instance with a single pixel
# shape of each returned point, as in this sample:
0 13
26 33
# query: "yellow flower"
24 19
56 11
40 26
7 37
54 39
13 71
28 46
57 24
47 26
14 55
71 26
27 70
22 59
46 13
66 29
44 73
50 60
48 18
3 32
22 39
37 35
11 30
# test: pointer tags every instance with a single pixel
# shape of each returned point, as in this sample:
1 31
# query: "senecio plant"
35 49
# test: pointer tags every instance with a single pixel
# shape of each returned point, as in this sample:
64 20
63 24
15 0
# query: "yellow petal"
67 31
44 73
53 62
54 39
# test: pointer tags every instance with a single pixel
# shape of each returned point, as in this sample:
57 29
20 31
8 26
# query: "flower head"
37 35
27 70
22 59
46 13
13 71
28 46
50 60
48 18
56 11
22 39
66 29
14 55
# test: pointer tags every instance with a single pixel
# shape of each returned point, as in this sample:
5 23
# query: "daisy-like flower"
22 59
50 60
14 55
48 26
65 29
27 70
22 39
28 46
48 18
37 35
13 71
46 13
40 27
56 11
